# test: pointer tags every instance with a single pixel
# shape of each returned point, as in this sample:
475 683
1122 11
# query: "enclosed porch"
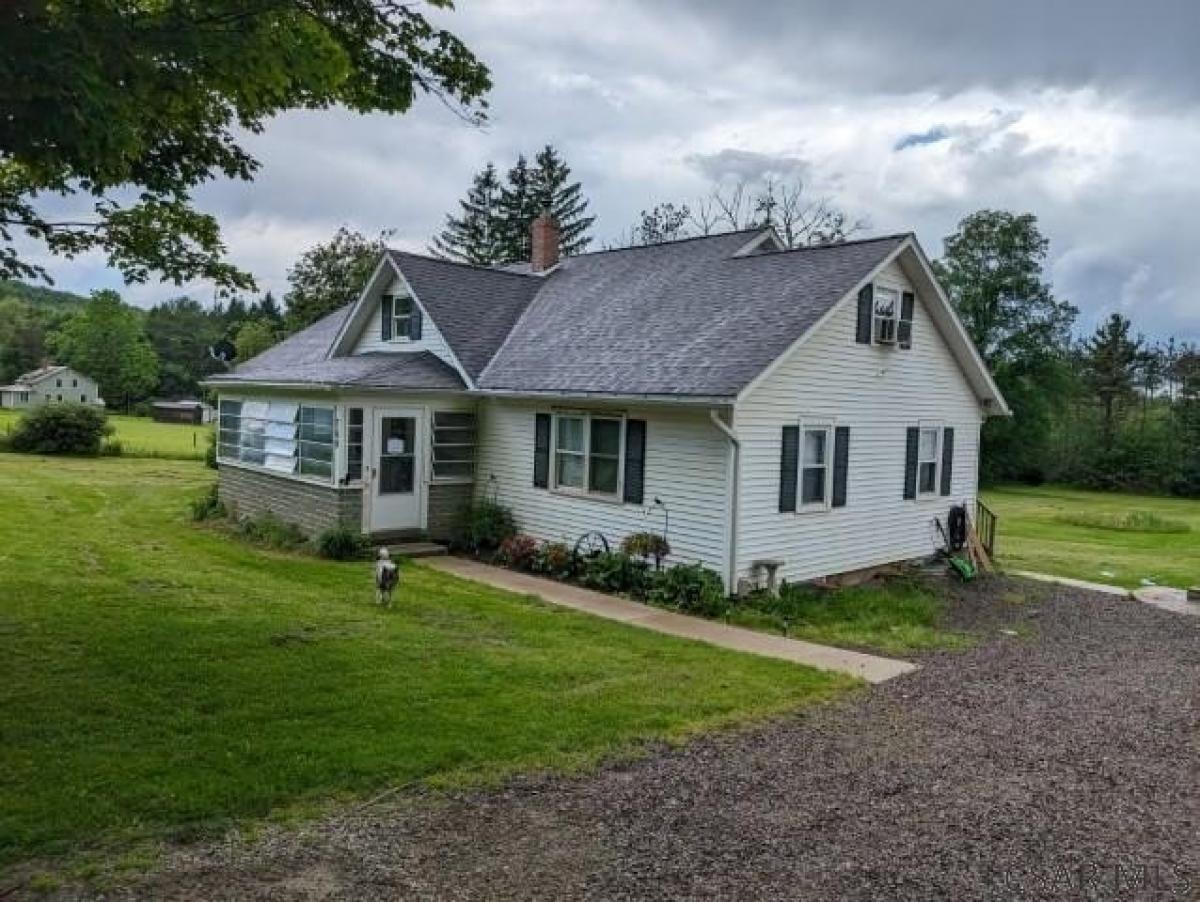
390 465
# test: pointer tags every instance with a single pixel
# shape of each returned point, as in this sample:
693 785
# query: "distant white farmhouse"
50 385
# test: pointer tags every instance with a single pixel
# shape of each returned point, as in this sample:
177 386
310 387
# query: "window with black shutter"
789 460
541 451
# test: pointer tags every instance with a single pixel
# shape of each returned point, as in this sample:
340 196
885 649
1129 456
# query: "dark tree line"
1111 410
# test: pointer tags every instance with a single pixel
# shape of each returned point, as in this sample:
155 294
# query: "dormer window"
401 318
885 316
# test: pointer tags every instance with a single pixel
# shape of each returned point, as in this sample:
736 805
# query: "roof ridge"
828 245
642 247
479 267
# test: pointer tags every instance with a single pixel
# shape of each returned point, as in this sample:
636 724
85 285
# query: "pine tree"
553 191
475 236
516 211
1110 360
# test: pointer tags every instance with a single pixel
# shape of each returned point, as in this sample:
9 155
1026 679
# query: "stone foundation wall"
446 501
310 506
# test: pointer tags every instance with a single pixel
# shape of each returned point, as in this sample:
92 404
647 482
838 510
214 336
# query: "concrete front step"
415 549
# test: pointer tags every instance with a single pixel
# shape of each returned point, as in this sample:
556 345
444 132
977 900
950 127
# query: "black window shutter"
866 301
635 460
910 462
541 451
414 322
386 319
841 464
908 303
947 459
788 462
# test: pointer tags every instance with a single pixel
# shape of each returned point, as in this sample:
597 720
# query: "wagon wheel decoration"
591 544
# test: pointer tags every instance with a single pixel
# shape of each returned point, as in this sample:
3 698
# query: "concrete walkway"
1073 583
1174 600
867 667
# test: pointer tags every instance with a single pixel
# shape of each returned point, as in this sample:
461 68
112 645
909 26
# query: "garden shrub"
648 545
483 526
268 530
208 506
615 571
518 552
112 448
692 588
342 543
210 451
60 429
554 559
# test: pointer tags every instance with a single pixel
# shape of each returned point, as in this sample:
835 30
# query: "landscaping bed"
892 615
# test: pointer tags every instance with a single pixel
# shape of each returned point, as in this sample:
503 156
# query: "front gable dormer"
389 318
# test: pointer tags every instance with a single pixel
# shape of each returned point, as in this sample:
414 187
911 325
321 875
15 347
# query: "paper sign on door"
395 446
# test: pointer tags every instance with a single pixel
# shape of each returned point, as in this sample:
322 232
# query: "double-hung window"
886 315
815 471
928 455
587 453
401 317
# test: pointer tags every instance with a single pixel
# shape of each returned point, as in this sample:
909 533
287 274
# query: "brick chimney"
543 243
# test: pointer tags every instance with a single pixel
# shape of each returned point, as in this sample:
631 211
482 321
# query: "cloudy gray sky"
910 115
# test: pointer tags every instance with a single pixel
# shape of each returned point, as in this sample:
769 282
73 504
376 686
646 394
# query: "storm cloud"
909 116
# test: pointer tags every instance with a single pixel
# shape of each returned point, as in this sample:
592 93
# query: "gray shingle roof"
475 307
303 359
685 318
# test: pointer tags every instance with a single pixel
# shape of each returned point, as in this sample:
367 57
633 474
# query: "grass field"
1100 536
143 437
159 677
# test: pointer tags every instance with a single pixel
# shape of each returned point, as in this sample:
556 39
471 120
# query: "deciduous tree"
329 276
126 106
107 341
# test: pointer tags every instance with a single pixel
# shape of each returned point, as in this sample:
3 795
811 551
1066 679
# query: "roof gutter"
735 452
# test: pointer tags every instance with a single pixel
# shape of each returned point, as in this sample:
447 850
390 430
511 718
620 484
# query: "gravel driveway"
1063 762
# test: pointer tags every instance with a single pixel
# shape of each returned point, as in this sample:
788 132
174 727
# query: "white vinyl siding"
370 340
686 466
878 392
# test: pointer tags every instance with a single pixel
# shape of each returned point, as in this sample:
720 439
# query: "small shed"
191 412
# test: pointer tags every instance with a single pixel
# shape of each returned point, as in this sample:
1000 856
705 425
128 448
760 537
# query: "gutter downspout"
735 450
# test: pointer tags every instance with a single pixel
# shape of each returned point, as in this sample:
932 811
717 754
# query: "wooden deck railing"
985 527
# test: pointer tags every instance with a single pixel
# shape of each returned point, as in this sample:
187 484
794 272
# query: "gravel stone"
1059 763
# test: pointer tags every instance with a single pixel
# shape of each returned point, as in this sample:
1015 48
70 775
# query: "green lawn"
160 677
143 437
1100 536
894 617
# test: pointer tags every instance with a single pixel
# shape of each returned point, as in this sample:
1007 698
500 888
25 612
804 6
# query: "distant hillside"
40 296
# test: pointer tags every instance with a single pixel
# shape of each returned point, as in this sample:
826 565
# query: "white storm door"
396 478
